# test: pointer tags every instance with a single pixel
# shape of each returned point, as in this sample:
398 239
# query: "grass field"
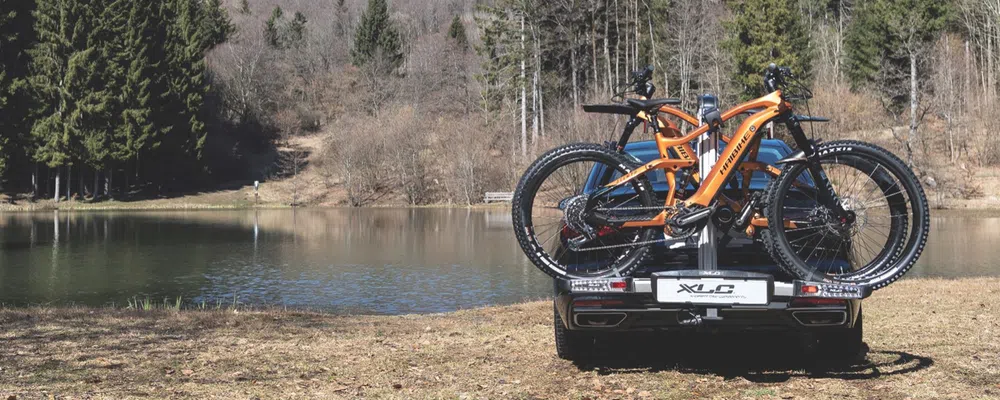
927 339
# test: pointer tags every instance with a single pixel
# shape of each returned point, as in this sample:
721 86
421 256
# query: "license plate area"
718 288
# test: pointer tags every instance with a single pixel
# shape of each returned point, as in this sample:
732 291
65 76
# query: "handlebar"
643 75
641 82
774 77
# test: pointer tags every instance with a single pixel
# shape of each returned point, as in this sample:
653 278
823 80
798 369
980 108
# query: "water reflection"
352 260
960 246
381 261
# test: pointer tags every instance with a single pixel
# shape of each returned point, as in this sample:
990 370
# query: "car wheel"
844 344
571 345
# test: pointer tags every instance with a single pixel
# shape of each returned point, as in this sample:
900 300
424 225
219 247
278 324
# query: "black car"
747 292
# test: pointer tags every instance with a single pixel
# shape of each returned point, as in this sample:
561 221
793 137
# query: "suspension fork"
824 189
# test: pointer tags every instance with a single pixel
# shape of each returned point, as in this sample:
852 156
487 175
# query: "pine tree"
886 42
16 35
500 54
296 30
188 35
456 31
132 74
883 31
65 80
273 26
764 32
62 70
216 26
377 36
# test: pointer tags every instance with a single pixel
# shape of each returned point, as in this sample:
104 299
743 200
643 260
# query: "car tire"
571 345
844 344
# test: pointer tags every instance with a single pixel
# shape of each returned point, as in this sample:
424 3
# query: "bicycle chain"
647 208
614 246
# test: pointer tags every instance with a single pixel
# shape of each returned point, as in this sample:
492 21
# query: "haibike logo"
700 289
735 154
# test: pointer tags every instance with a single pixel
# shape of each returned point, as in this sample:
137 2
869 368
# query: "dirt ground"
927 339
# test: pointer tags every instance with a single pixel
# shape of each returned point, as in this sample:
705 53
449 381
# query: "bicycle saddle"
632 106
652 104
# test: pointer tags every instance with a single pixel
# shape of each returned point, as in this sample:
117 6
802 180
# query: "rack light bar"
828 290
607 285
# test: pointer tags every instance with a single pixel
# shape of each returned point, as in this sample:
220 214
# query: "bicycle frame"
745 139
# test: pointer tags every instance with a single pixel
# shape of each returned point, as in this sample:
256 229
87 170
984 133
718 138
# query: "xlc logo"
700 289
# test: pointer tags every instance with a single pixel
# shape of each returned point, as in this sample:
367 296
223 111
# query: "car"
585 309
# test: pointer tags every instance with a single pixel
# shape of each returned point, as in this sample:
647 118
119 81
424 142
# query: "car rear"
748 292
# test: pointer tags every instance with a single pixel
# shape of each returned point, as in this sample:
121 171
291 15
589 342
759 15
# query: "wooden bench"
490 197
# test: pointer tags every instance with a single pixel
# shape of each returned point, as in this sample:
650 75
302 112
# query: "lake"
378 261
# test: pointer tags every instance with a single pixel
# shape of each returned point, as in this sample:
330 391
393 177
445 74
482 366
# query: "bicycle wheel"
550 213
890 218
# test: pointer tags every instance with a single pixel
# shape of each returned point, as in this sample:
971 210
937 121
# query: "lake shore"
240 199
243 199
926 338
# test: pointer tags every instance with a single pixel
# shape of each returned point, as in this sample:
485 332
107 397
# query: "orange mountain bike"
843 211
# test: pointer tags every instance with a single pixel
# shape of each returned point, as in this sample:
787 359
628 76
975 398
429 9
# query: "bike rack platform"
794 288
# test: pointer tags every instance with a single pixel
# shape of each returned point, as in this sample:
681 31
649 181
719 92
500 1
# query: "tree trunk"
914 103
69 182
989 62
34 182
618 46
635 35
82 186
838 50
540 118
628 45
652 45
967 88
56 196
97 175
524 104
534 108
607 52
125 173
107 182
576 91
541 109
593 52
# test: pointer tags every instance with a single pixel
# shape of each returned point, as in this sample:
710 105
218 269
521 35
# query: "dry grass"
927 338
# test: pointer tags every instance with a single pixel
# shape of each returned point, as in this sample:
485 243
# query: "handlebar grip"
642 75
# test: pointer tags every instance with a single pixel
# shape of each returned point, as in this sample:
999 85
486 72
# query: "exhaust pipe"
820 318
599 320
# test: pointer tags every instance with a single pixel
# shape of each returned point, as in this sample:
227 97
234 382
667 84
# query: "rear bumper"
638 310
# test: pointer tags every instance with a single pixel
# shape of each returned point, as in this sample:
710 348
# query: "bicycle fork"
809 155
